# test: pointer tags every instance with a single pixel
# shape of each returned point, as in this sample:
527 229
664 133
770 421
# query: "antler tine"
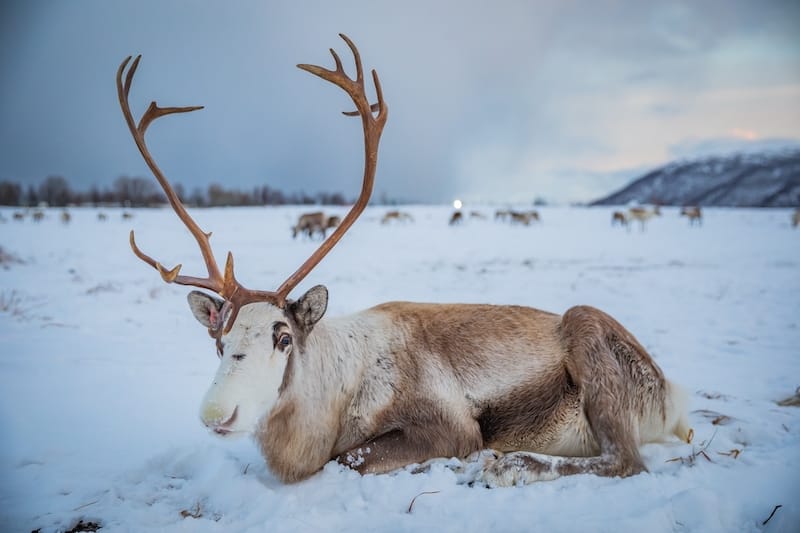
214 281
131 72
357 57
373 127
339 67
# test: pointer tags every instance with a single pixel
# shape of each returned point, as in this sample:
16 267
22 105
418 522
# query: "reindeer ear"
310 307
205 308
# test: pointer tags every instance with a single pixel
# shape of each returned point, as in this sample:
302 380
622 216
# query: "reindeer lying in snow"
403 382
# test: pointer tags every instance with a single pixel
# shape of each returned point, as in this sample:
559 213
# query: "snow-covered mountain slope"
741 180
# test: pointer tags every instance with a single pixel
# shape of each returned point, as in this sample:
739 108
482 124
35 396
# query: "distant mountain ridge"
741 180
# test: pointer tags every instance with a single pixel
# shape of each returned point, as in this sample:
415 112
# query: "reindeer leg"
607 363
414 444
385 453
619 457
619 454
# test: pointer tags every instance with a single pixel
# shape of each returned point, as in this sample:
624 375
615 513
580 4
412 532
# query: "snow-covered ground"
102 368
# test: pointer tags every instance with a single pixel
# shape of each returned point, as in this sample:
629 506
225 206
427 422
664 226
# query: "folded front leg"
411 445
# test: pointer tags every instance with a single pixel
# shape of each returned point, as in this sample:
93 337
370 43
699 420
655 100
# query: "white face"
254 357
252 364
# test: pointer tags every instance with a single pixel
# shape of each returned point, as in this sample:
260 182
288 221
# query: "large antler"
226 285
373 127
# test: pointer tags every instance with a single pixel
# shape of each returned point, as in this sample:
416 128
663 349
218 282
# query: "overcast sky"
489 101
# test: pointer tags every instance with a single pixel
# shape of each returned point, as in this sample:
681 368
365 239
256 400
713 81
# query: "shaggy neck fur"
303 427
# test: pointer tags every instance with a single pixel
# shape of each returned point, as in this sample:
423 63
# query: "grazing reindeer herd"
38 215
517 217
622 218
503 215
402 383
641 214
316 224
694 215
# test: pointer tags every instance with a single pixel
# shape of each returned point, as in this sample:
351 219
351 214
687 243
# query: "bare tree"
136 192
31 197
55 191
10 193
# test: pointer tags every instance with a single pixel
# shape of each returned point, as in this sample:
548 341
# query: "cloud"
496 101
737 143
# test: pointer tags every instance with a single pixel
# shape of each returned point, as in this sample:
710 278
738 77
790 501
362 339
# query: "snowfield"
102 368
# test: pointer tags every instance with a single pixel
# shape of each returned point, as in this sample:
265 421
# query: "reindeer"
399 216
18 216
523 218
102 217
643 215
402 383
127 215
38 215
502 215
796 218
65 217
618 217
693 213
456 218
310 223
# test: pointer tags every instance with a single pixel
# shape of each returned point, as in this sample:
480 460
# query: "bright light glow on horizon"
741 133
457 204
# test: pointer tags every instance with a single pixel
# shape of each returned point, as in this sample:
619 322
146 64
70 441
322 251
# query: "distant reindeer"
643 214
456 218
502 215
517 217
38 215
65 217
310 223
399 216
477 214
127 215
618 217
523 217
402 382
18 215
102 217
693 213
796 218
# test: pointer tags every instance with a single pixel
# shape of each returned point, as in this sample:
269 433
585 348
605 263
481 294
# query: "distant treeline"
56 191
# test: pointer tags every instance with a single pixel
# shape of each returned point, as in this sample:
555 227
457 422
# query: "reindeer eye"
285 339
